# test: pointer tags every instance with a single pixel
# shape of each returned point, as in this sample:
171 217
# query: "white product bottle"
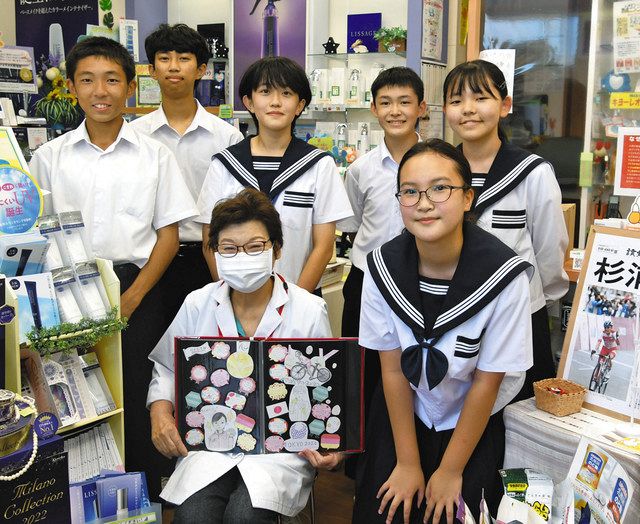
354 87
316 93
363 140
341 136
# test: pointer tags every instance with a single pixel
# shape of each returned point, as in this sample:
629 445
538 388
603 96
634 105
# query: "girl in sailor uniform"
446 305
517 197
249 300
301 180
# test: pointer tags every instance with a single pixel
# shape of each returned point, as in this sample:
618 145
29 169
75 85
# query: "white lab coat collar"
271 318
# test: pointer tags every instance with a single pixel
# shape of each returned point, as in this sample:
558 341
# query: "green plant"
81 335
386 35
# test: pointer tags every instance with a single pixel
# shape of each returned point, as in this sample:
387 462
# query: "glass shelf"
347 56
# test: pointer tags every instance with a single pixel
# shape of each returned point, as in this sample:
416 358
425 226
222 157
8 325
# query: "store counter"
547 448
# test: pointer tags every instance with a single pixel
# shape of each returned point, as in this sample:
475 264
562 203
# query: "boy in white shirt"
123 183
178 56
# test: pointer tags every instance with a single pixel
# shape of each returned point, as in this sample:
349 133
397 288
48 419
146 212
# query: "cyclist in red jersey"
609 341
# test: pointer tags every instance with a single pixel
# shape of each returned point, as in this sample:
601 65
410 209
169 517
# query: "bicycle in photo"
600 376
314 371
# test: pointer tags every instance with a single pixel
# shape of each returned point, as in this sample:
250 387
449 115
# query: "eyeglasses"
436 194
253 248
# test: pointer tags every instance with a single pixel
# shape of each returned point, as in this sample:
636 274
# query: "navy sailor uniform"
306 190
519 202
482 323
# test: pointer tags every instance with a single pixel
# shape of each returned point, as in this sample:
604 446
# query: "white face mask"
245 273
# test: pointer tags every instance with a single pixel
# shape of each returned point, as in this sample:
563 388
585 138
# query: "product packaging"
93 299
67 294
512 510
336 87
370 76
354 93
117 495
531 487
22 253
49 226
98 388
75 238
602 487
37 305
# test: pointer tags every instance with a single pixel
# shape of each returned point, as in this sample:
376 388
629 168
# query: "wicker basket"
559 405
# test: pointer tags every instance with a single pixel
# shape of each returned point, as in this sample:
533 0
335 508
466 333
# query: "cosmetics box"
98 388
22 253
37 306
119 495
362 27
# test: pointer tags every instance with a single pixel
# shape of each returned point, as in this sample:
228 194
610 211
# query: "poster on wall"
17 70
266 29
432 29
599 349
626 37
52 27
505 59
627 176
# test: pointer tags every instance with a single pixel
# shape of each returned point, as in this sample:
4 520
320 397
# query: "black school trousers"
146 326
379 460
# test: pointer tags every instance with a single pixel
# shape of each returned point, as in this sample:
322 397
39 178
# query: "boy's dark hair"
179 38
278 72
249 204
398 77
105 48
443 149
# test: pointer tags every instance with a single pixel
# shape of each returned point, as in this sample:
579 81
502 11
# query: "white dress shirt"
206 135
125 192
371 183
325 201
278 482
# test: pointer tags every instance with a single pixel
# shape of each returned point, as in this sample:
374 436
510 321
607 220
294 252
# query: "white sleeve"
214 188
321 325
356 199
377 330
506 344
40 170
173 198
162 386
548 230
235 137
331 202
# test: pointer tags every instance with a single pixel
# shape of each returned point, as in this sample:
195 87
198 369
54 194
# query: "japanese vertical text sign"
627 181
599 349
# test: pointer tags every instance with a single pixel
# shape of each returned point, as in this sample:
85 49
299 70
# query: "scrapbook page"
269 396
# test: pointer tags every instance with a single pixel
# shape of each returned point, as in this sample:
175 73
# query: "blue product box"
362 27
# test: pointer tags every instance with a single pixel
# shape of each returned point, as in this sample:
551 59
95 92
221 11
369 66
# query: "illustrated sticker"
196 350
276 410
220 378
194 437
277 391
321 411
240 363
299 438
221 350
278 372
245 423
279 426
320 393
247 385
299 403
194 419
274 443
193 399
246 442
235 400
277 353
330 441
316 427
220 431
210 395
333 424
198 374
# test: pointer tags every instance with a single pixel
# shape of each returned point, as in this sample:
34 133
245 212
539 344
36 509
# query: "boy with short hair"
301 181
178 57
123 183
371 183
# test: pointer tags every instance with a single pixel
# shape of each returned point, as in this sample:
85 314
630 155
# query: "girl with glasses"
446 305
249 300
517 197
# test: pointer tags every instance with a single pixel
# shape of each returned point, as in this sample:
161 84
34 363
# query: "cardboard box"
569 214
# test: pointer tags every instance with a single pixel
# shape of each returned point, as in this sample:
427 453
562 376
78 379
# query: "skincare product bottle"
341 135
122 495
22 264
56 42
363 140
73 229
50 229
354 87
314 80
32 293
64 282
95 303
270 39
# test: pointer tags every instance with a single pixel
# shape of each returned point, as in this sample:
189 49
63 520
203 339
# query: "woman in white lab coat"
250 300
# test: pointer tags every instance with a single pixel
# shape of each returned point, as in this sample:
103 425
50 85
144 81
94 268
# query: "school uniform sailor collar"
80 134
297 159
510 167
485 268
270 320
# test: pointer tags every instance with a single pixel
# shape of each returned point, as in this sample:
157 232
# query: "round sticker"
20 200
46 425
